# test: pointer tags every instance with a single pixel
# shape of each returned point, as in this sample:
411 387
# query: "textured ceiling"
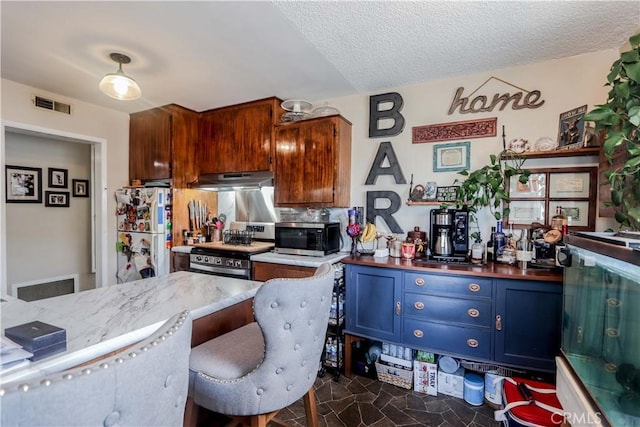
207 54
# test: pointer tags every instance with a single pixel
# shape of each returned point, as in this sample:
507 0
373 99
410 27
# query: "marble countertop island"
103 320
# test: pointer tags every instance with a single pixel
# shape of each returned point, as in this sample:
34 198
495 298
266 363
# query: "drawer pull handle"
473 312
474 287
418 333
419 305
498 322
419 281
398 308
473 343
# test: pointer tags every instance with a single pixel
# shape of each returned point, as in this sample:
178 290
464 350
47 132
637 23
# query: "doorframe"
98 190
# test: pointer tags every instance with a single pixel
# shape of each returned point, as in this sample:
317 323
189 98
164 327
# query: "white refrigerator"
143 243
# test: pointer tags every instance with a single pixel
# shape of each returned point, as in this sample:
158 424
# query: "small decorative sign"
480 128
446 194
571 128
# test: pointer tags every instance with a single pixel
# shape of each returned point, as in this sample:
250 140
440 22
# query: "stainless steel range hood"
234 181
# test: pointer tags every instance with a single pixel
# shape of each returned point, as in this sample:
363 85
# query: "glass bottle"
499 243
558 219
477 252
490 244
524 254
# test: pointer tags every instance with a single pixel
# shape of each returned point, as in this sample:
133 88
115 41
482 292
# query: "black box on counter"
39 338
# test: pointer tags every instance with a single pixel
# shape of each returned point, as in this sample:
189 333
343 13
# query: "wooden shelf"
576 152
429 203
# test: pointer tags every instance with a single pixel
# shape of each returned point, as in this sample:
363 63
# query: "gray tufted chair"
144 385
254 371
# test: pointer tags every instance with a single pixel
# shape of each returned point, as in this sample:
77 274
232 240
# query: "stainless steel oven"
220 263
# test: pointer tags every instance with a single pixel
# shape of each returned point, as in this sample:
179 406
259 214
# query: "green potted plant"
486 187
620 119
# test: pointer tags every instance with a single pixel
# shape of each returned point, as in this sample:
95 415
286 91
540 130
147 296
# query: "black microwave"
307 238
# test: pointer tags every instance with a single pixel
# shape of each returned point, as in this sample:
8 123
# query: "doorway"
97 229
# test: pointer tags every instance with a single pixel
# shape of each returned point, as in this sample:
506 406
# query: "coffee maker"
449 235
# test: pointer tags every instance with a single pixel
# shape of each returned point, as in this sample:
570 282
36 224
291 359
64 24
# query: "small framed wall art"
571 128
23 184
80 187
58 178
451 157
56 199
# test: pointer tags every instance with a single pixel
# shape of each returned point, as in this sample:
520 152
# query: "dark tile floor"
360 401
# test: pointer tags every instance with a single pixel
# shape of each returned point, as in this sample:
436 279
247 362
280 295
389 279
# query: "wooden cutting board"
221 246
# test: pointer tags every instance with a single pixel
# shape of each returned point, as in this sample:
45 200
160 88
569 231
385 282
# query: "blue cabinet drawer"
466 341
445 284
474 312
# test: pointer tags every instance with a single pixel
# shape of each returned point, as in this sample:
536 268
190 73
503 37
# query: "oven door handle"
200 268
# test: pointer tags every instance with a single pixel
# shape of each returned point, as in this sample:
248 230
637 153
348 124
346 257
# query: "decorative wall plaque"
480 128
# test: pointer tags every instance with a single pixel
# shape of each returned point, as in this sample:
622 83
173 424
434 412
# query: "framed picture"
534 188
577 212
80 187
571 128
56 199
573 185
451 157
527 211
23 184
446 194
58 178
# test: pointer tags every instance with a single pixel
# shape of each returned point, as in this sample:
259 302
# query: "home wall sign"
376 115
385 150
481 103
480 128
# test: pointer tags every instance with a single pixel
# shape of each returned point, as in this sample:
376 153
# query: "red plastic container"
530 415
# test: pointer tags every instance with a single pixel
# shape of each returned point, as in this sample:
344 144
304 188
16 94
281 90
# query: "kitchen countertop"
299 260
255 246
102 320
493 270
184 249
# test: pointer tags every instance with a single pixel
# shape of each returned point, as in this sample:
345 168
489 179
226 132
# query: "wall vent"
50 104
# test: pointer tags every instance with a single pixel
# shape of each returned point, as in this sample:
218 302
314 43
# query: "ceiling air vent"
49 104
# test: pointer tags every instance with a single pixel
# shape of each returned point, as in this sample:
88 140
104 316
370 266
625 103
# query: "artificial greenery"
620 118
486 186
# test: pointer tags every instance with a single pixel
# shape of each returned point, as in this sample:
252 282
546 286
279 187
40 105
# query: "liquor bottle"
490 244
499 243
558 219
524 254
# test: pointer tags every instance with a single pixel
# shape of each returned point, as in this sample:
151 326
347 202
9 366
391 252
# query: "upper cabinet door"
150 150
312 163
237 138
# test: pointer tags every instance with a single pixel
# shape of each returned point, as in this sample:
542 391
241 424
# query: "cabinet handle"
419 305
474 287
498 322
473 312
419 281
418 333
580 335
398 308
473 343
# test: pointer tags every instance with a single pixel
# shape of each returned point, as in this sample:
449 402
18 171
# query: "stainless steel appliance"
449 238
231 257
307 238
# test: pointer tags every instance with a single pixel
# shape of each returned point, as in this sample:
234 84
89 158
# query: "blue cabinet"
373 304
509 322
528 323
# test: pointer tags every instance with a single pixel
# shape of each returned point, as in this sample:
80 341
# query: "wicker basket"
395 376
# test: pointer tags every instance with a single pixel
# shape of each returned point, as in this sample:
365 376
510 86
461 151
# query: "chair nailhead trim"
46 382
86 371
24 387
68 377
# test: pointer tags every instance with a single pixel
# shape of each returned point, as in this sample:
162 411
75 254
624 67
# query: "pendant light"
118 85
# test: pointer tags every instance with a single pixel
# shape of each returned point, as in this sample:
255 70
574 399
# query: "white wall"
46 242
87 121
564 83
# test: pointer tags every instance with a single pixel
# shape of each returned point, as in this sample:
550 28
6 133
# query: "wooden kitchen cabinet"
263 271
162 143
313 163
238 138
